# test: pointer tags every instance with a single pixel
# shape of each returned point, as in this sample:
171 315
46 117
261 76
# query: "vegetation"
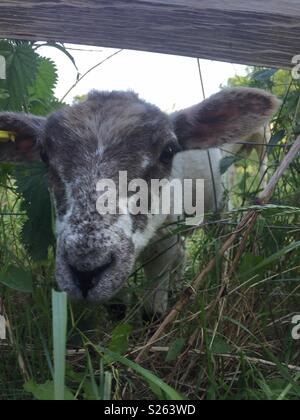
234 345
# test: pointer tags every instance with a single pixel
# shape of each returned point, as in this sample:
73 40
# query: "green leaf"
46 80
227 162
64 50
45 392
220 346
44 107
17 279
263 75
21 61
119 340
42 100
175 350
277 137
156 384
37 234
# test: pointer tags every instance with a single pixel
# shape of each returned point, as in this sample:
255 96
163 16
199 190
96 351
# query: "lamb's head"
111 133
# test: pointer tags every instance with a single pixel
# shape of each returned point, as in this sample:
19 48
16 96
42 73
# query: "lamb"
116 131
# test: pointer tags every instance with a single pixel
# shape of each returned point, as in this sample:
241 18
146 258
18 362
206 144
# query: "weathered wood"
260 32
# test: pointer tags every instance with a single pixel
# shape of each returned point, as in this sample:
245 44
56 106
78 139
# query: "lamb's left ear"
227 117
19 137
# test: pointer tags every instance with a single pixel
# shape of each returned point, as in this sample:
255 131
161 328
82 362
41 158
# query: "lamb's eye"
168 153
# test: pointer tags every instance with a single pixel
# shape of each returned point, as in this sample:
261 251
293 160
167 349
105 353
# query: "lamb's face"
92 141
108 134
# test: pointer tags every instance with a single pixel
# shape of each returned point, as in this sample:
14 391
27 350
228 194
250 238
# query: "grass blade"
59 313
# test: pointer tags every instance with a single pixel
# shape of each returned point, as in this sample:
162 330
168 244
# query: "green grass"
237 348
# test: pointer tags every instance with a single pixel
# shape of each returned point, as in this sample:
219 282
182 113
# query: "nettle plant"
28 86
113 132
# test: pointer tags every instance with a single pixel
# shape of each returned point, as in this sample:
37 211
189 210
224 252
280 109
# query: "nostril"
87 280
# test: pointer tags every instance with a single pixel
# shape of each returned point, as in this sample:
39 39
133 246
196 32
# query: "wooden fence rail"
260 32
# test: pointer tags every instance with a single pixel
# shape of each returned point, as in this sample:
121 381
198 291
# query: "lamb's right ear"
229 116
19 135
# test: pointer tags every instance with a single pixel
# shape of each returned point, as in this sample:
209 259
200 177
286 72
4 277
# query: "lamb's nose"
87 280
